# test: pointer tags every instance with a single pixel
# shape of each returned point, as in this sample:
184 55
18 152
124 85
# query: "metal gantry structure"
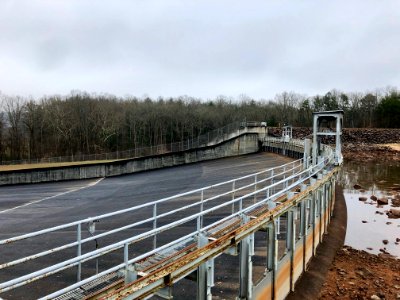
291 203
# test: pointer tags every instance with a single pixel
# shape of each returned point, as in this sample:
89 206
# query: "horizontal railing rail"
211 137
286 169
268 185
302 177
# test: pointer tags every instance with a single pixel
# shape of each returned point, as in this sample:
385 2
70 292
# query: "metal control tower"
325 124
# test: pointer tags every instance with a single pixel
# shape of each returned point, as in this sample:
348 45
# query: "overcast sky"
198 48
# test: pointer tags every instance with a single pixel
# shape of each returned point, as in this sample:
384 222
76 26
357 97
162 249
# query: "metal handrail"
310 172
288 167
292 169
99 252
212 136
107 215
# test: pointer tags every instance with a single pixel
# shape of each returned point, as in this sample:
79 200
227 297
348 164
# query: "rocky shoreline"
359 144
356 274
370 152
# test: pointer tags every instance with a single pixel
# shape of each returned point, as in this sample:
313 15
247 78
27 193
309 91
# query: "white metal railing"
267 185
280 140
284 170
211 137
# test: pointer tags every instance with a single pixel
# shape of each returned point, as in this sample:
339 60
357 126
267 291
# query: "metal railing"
231 198
210 138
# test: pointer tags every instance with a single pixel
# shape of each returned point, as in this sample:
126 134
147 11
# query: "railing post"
326 211
272 180
205 273
289 230
271 242
233 196
201 208
79 251
246 265
321 211
332 196
291 238
255 188
155 225
199 224
307 150
92 229
303 220
130 271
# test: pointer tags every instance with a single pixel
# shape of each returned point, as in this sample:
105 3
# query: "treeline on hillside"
86 124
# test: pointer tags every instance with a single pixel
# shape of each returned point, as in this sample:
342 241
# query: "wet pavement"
28 208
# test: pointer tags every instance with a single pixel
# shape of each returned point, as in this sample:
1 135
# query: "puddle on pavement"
367 223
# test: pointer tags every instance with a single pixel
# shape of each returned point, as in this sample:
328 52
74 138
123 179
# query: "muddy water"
367 223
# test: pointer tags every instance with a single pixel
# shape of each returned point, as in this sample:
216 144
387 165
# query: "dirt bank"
359 144
356 274
371 144
371 152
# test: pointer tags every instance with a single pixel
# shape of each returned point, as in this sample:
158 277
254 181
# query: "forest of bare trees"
82 123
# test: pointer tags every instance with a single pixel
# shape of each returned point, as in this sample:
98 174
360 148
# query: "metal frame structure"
247 204
287 133
328 123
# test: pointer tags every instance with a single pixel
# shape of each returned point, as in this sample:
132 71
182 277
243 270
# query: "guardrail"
231 199
212 137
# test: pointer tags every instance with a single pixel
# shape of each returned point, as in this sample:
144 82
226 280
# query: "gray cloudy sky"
198 48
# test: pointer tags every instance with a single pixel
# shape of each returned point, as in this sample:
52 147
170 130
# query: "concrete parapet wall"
291 149
244 144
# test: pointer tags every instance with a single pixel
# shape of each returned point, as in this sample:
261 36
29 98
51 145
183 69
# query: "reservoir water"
368 226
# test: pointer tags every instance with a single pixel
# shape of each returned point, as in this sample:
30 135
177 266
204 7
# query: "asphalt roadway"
27 208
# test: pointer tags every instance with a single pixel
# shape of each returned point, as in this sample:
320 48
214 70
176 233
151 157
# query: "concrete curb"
245 143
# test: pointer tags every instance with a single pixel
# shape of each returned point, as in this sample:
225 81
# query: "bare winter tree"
85 124
13 107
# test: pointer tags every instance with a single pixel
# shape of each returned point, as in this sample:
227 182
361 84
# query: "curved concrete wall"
243 144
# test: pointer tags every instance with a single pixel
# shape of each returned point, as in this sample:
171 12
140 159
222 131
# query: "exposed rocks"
363 198
396 202
349 135
382 201
362 144
357 187
385 242
394 213
373 197
384 251
369 152
357 274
